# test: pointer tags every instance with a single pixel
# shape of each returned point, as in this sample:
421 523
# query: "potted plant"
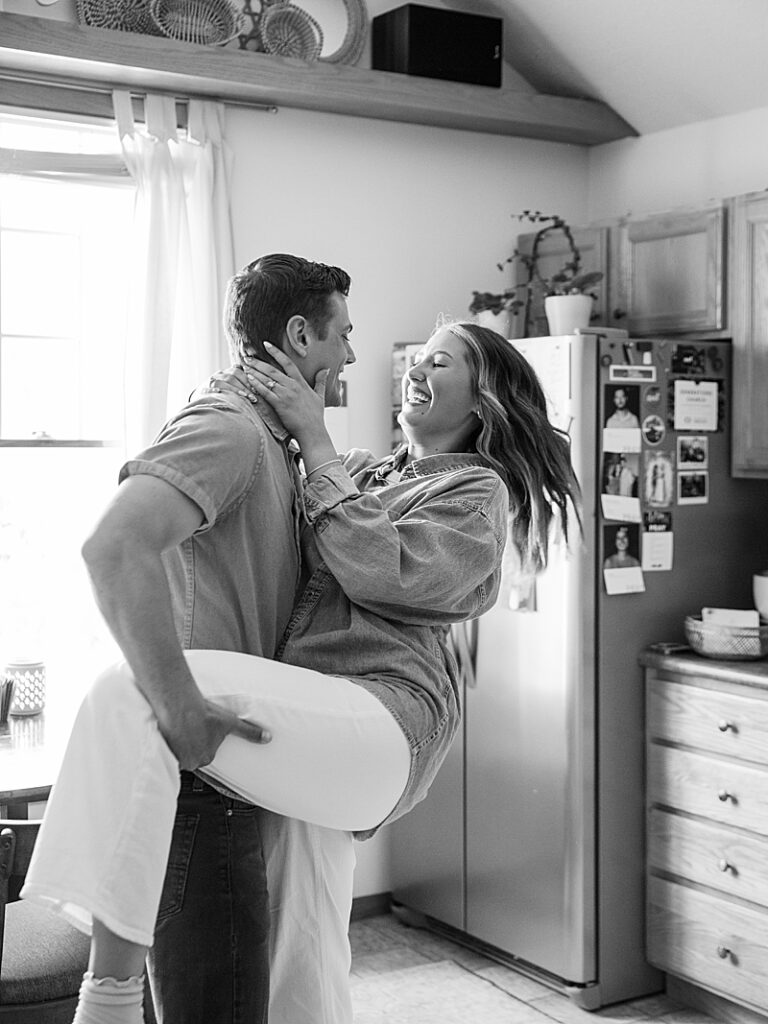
567 281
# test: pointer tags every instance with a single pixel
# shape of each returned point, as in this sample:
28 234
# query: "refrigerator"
530 843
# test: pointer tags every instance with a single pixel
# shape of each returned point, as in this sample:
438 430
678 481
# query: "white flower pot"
499 322
566 313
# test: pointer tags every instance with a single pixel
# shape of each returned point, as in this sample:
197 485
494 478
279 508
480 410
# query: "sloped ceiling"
658 63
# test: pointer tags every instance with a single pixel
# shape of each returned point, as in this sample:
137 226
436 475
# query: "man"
622 417
200 548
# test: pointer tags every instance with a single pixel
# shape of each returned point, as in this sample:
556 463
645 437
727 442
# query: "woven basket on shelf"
290 32
208 22
731 643
354 39
121 15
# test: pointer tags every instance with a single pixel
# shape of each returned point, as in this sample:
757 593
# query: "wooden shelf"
54 50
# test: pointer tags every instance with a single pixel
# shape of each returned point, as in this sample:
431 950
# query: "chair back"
17 840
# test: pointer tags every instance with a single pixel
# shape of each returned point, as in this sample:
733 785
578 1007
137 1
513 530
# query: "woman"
362 703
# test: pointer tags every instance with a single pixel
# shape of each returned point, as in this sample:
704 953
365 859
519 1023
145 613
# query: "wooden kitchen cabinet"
663 275
707 831
749 247
667 274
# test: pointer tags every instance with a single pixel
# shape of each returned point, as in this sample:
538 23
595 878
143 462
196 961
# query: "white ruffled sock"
107 1001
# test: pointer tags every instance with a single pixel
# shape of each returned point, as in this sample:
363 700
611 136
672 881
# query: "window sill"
59 51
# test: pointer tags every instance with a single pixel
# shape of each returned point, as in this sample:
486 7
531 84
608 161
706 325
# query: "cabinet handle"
723 795
724 726
725 866
724 953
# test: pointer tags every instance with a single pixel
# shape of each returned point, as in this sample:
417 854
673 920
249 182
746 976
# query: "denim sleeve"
210 451
438 562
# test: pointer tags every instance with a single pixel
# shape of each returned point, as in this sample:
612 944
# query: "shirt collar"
393 468
272 421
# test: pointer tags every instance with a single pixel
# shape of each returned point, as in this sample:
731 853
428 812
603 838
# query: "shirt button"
229 812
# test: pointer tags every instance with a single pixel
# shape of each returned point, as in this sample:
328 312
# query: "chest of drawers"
707 826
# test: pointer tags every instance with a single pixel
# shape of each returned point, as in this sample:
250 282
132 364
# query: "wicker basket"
290 32
121 15
207 22
729 643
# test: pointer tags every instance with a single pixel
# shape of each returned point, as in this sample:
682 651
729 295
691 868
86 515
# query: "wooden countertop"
31 750
688 663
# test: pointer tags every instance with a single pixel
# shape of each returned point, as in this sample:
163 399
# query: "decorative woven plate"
122 15
208 22
354 38
290 32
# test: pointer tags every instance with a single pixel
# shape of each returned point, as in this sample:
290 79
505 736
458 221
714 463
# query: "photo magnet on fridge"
693 487
692 451
622 573
619 498
658 479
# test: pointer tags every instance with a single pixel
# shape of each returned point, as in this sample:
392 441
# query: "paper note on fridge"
624 581
625 510
622 439
695 405
658 552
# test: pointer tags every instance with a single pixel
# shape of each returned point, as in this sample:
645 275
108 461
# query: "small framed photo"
692 487
692 451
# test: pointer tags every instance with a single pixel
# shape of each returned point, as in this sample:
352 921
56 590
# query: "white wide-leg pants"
337 759
310 873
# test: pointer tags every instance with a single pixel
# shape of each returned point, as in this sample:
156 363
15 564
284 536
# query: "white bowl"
760 592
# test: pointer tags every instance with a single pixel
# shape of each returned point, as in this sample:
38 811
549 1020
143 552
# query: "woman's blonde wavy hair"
516 439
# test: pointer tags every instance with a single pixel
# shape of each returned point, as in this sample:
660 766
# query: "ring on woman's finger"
271 384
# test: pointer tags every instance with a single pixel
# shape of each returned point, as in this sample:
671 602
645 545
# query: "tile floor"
403 975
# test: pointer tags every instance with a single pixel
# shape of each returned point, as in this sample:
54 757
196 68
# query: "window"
65 213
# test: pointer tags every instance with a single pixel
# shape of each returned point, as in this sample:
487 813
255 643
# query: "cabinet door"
750 335
668 273
554 253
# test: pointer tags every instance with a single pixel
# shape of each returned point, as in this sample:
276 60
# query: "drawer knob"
724 725
723 796
725 866
724 953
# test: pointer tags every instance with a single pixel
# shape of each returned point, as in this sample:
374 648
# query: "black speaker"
434 43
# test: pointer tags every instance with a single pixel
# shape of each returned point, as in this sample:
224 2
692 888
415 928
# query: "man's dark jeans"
210 960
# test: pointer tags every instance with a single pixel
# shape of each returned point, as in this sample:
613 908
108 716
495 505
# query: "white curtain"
182 257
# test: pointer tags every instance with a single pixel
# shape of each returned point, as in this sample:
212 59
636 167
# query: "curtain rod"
77 86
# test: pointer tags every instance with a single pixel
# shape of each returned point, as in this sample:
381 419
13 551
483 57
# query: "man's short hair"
265 294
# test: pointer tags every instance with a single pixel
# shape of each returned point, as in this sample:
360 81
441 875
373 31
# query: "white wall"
682 167
418 216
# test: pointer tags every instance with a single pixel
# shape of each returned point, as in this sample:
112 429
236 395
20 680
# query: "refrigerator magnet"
695 405
692 451
658 541
620 483
621 428
658 479
622 404
622 573
692 487
653 429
